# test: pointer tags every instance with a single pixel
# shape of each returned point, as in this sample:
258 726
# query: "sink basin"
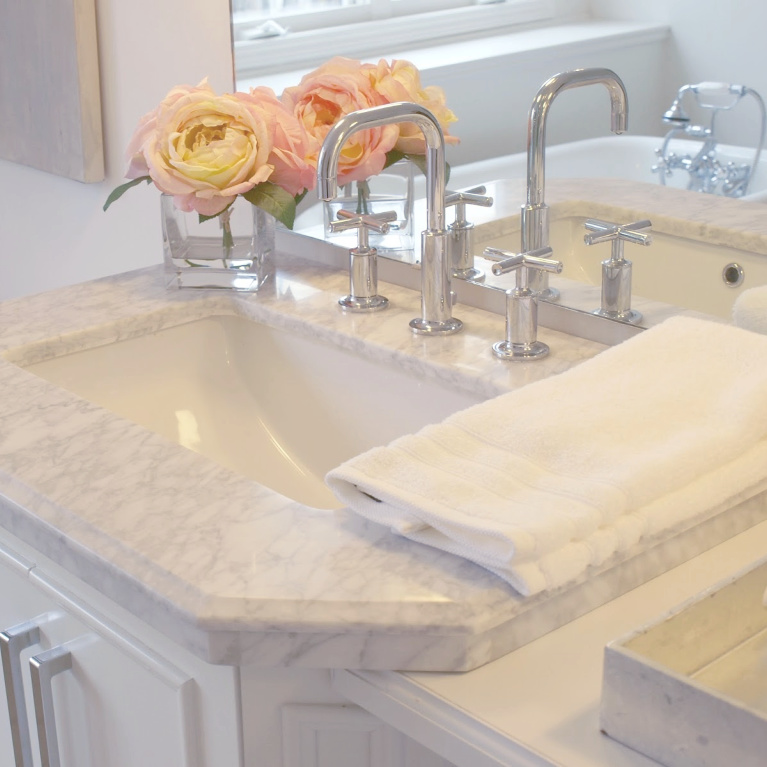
672 270
271 405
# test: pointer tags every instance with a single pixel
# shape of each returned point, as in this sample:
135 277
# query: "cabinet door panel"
17 605
120 704
109 710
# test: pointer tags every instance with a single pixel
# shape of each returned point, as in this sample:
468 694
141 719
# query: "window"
266 17
279 35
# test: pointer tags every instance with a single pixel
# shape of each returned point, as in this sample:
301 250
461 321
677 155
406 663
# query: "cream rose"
401 81
202 148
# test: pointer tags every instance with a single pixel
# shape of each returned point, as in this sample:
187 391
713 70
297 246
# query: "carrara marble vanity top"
239 574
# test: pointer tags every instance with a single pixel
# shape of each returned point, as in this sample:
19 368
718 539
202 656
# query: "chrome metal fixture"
436 298
521 342
461 232
363 260
535 219
616 270
733 275
707 173
12 642
42 669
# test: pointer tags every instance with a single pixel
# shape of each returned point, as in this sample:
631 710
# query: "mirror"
500 127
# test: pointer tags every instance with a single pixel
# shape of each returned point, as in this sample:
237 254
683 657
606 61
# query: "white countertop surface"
238 573
539 705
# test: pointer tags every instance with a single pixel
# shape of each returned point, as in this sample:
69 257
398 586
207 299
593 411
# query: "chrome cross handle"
521 302
363 260
461 243
616 271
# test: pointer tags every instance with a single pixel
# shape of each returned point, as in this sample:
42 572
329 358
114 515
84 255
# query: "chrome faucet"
436 299
535 213
707 173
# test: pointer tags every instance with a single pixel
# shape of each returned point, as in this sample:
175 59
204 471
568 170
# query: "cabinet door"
17 604
110 701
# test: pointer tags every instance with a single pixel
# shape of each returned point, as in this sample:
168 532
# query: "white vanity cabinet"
89 693
130 697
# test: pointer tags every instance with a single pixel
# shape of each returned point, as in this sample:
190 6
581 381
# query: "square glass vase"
231 251
390 190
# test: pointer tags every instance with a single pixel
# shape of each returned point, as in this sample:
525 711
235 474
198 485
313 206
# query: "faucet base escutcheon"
508 351
435 327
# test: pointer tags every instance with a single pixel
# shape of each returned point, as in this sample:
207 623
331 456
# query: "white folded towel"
750 309
538 484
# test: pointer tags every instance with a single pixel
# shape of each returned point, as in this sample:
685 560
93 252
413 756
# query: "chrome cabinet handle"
43 668
12 642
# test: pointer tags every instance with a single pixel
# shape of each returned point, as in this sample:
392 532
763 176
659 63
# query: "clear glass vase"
232 251
390 190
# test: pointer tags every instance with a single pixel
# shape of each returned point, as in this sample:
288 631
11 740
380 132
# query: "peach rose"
328 93
202 148
401 81
292 146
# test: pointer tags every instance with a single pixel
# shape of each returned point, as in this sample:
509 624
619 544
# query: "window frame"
372 10
303 49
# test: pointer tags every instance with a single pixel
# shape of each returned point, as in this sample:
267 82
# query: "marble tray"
690 690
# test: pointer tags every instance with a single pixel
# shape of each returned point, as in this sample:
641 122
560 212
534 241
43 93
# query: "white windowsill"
305 49
590 36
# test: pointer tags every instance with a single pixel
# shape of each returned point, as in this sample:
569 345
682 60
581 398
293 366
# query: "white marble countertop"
539 706
238 573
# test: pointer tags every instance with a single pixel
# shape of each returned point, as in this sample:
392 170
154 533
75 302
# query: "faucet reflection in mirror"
535 219
616 270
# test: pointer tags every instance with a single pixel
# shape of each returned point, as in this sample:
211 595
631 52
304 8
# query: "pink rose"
202 148
401 81
292 146
323 96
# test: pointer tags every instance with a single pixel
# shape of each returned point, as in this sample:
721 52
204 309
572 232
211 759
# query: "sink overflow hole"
733 275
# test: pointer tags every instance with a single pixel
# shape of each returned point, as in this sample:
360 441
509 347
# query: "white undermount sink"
271 405
672 270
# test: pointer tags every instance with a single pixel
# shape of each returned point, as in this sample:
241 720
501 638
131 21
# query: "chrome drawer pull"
43 668
12 642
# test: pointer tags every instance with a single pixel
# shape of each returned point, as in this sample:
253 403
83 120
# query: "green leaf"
275 201
123 188
392 156
419 160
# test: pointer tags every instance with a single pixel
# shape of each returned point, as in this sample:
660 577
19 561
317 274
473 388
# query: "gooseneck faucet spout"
535 220
436 304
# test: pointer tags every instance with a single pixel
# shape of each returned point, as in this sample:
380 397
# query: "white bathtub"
627 157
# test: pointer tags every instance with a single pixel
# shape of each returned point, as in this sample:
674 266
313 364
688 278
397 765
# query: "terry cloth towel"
750 310
538 484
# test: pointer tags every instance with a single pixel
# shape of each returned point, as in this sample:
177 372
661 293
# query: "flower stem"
228 241
363 198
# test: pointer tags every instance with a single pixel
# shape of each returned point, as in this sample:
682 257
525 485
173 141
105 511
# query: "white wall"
53 230
711 41
492 96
